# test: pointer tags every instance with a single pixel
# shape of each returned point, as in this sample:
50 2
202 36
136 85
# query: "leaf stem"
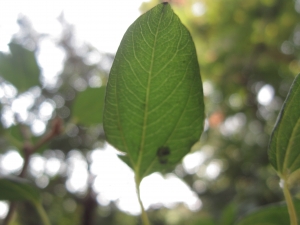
42 214
144 214
290 204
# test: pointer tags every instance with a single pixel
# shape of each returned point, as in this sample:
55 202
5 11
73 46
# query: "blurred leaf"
284 151
5 138
275 214
88 106
15 188
154 101
203 221
229 214
14 136
20 68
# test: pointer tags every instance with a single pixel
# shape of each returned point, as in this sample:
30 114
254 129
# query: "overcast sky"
100 22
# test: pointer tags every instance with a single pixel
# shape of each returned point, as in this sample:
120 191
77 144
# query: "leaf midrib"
141 151
172 132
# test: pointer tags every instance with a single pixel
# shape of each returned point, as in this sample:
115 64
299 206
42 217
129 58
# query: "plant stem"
28 150
290 204
42 214
144 214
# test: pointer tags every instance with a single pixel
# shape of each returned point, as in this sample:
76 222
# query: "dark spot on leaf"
165 3
163 151
162 154
163 161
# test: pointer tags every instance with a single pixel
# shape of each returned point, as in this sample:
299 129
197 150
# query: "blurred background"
55 58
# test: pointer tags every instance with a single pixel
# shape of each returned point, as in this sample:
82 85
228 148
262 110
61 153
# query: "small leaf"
15 132
284 146
20 68
202 220
88 106
154 108
275 214
229 214
15 188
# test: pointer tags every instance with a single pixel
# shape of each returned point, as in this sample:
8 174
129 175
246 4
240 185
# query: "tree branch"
28 149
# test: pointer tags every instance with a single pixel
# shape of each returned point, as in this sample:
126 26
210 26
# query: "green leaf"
15 188
154 110
20 67
88 106
229 214
275 214
284 146
14 136
201 221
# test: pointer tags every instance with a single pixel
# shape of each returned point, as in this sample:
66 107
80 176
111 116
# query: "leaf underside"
154 109
284 148
275 214
18 189
20 67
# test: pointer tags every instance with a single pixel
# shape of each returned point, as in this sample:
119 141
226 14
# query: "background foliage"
245 48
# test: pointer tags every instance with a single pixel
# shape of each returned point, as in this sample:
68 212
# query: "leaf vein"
133 72
174 90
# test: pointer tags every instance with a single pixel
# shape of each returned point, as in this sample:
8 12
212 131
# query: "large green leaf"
88 106
15 189
154 109
275 214
284 146
20 67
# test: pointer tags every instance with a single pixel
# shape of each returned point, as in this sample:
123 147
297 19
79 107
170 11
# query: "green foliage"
88 106
203 221
19 189
229 214
154 102
241 47
284 145
20 67
275 214
14 188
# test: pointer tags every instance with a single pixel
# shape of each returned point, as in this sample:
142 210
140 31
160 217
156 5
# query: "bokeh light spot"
198 9
38 127
11 162
3 209
265 95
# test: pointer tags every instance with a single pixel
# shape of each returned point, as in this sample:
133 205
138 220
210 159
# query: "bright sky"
101 23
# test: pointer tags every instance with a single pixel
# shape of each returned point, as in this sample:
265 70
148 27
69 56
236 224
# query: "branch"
28 149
